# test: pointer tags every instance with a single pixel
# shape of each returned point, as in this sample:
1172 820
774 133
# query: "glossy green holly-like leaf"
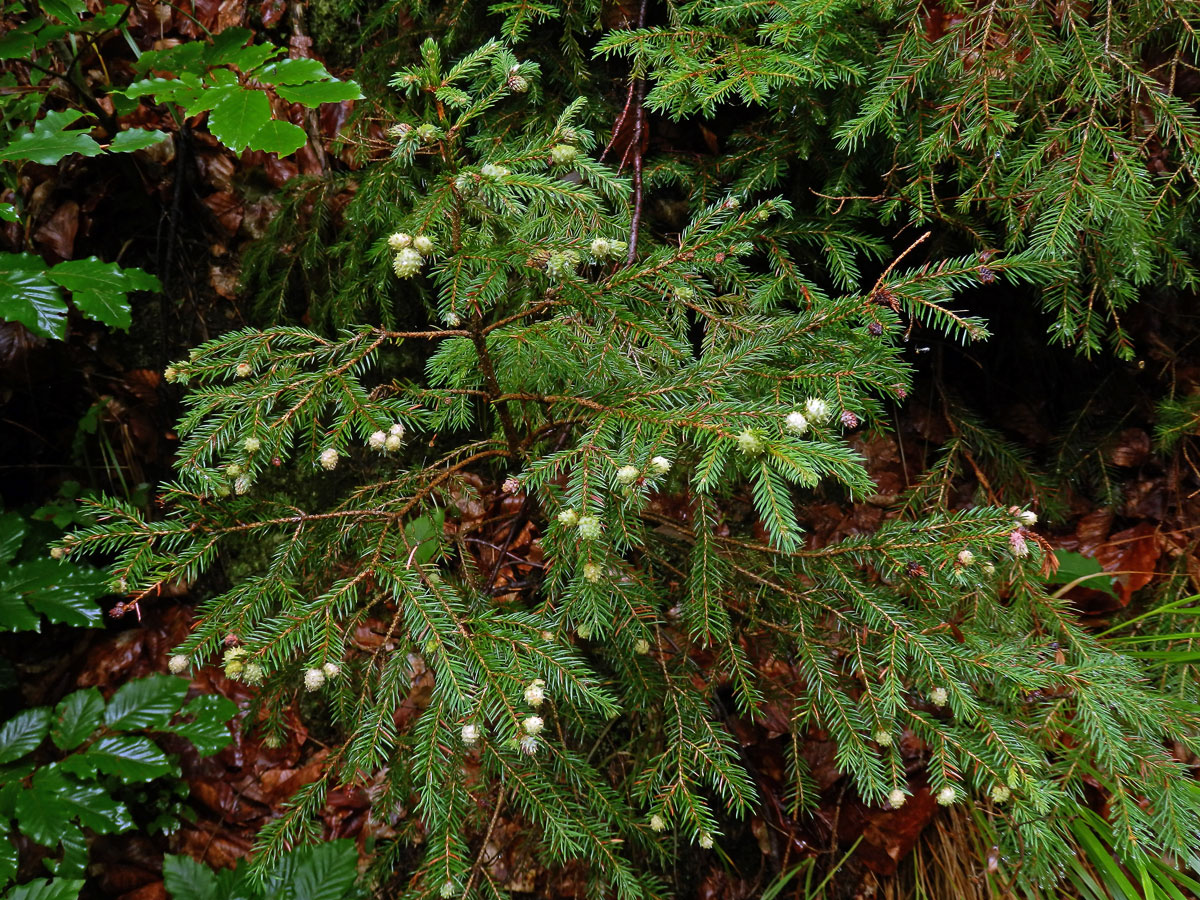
73 863
136 139
184 90
295 71
317 92
283 138
232 48
111 309
128 757
99 289
12 533
22 733
76 717
8 856
211 97
53 802
185 58
239 116
15 614
28 296
145 703
247 59
92 274
208 730
49 141
64 593
8 213
43 889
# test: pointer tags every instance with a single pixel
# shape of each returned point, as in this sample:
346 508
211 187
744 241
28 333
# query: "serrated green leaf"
424 533
43 889
232 48
15 614
239 116
136 139
10 786
17 45
110 309
22 733
1073 566
279 137
210 97
76 717
186 879
247 59
183 59
49 142
49 806
128 757
322 872
28 296
294 71
64 593
209 731
317 92
65 10
93 274
103 20
99 289
186 90
73 863
8 856
146 703
225 45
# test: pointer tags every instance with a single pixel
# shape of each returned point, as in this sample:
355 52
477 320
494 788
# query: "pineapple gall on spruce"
535 693
561 264
407 263
563 154
817 409
750 443
589 528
